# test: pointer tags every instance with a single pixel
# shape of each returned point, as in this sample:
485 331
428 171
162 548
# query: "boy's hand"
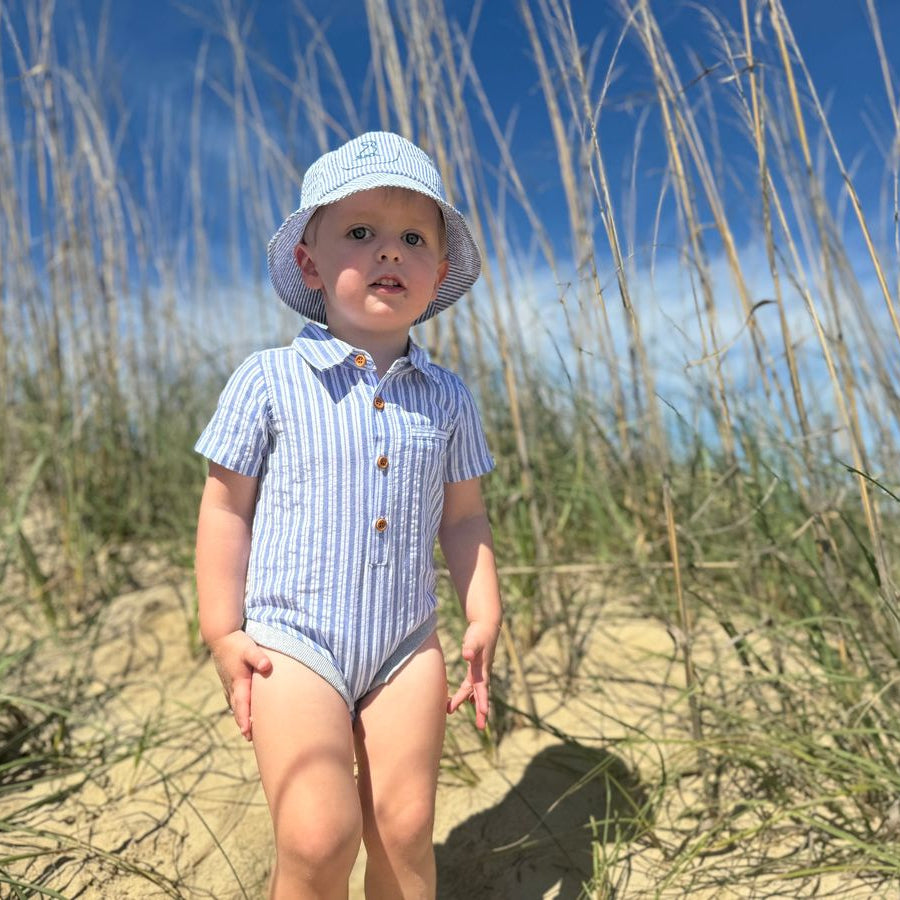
237 657
478 651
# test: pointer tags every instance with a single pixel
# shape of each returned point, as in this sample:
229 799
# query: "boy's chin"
397 308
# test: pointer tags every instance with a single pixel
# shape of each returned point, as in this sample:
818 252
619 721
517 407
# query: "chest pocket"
424 452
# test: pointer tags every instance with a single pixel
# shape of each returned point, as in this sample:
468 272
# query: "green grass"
777 457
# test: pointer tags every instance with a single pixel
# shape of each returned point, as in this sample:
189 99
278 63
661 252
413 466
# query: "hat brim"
462 251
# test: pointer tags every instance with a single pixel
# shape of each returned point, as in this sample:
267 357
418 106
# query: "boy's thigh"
399 732
303 740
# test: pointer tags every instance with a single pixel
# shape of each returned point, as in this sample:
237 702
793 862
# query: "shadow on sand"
540 832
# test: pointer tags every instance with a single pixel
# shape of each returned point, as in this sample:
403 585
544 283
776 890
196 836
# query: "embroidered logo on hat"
368 155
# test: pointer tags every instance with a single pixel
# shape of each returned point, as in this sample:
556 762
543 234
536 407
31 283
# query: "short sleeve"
468 455
237 436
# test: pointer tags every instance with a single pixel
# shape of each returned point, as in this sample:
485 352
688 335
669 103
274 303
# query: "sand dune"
165 801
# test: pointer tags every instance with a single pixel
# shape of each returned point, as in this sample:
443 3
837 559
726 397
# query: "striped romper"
351 472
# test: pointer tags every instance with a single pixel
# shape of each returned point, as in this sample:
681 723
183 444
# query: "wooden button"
378 403
381 524
359 359
382 462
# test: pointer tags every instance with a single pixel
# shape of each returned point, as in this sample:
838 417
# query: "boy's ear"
307 267
442 270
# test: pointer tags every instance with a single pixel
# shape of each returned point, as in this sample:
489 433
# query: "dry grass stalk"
685 631
708 330
96 309
843 387
559 32
784 34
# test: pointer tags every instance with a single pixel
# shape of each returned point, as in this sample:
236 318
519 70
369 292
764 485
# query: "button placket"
381 526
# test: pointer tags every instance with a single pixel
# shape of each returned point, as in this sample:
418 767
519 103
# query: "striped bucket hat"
375 159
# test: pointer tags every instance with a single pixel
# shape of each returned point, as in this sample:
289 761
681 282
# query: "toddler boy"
335 463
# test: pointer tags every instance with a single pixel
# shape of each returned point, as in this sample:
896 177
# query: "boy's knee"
322 844
405 827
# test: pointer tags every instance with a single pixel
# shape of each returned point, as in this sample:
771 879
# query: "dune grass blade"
687 371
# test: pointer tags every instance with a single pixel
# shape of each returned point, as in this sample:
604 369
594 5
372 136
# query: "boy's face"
376 256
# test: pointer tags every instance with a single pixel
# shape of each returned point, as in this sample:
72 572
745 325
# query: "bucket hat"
372 160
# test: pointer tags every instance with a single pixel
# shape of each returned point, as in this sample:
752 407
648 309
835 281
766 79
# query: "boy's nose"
390 249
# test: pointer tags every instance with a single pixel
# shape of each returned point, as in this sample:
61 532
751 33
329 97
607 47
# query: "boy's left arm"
465 538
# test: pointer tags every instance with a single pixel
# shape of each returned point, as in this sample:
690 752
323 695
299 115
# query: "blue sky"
156 43
153 47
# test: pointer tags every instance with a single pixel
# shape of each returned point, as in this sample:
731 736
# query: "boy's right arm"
223 550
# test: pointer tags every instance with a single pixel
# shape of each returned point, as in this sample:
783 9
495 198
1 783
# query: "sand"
164 800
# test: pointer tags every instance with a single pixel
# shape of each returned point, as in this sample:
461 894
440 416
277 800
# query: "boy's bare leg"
302 735
399 734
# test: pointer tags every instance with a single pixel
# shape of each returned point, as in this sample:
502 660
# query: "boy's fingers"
482 704
240 700
475 686
255 657
460 697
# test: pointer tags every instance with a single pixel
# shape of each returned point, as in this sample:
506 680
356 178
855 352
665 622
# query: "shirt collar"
322 350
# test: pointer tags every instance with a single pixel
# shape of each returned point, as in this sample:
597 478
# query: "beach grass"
694 407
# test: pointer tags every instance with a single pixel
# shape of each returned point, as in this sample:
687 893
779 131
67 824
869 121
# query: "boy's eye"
359 233
413 239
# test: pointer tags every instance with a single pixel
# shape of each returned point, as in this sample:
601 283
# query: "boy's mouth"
389 282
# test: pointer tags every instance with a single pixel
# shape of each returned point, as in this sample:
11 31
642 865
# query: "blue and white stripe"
341 572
